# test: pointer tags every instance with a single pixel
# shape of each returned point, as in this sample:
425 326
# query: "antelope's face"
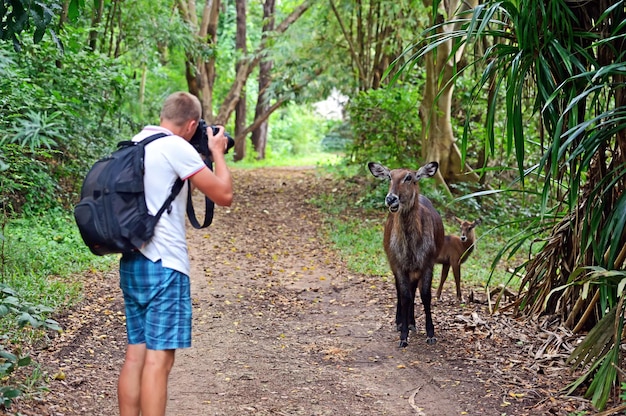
466 228
403 187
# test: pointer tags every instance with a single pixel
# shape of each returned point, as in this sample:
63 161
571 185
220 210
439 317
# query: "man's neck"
177 130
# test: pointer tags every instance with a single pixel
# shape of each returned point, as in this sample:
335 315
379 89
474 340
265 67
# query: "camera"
200 139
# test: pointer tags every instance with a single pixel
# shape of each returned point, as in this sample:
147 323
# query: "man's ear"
190 128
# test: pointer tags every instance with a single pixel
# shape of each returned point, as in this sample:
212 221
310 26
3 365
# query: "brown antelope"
413 237
455 251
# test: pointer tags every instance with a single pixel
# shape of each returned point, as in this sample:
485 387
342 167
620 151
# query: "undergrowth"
40 259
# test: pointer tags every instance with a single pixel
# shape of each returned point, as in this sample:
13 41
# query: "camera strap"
208 212
209 206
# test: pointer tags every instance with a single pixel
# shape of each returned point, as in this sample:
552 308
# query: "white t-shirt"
166 160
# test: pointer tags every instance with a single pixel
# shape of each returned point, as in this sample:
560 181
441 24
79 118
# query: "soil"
282 327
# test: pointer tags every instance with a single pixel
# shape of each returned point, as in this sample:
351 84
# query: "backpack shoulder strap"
152 138
143 142
178 184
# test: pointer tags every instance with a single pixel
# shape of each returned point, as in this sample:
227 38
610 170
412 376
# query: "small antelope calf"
455 251
413 237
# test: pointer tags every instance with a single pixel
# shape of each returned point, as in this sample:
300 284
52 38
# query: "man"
155 279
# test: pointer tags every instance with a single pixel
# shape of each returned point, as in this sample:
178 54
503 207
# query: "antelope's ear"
477 222
460 221
379 171
427 171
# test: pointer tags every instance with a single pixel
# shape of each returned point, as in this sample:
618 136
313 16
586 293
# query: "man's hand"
217 143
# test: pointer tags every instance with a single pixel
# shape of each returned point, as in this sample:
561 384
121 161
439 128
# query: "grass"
311 159
42 257
361 246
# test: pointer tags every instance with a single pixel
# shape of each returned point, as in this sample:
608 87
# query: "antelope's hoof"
403 343
431 340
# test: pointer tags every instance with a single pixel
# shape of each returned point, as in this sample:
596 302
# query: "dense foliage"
36 17
571 57
385 126
58 112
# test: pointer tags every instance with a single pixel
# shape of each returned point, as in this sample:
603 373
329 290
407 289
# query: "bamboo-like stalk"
621 258
617 333
613 411
587 313
580 302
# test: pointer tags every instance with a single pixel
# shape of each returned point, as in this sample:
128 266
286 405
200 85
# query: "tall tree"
372 35
200 72
240 45
259 134
438 141
96 21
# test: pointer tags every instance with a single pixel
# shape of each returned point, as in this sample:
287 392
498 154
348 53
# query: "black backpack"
112 215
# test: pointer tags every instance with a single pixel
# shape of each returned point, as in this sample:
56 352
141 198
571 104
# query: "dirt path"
281 327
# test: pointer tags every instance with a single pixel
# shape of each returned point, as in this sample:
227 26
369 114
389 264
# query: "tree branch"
248 64
349 40
259 120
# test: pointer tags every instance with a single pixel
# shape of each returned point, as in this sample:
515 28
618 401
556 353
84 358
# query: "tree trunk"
142 88
228 105
63 16
240 109
370 32
200 74
259 135
109 27
261 118
439 143
95 22
211 16
62 20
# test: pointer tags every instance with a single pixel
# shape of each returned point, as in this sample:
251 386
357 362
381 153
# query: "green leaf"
11 300
52 325
11 393
24 361
27 319
74 7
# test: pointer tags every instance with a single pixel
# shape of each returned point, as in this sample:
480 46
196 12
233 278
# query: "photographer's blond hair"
181 107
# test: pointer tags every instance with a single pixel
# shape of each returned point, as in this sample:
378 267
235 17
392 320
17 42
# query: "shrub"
386 126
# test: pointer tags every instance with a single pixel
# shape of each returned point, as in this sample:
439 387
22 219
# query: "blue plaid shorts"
157 302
